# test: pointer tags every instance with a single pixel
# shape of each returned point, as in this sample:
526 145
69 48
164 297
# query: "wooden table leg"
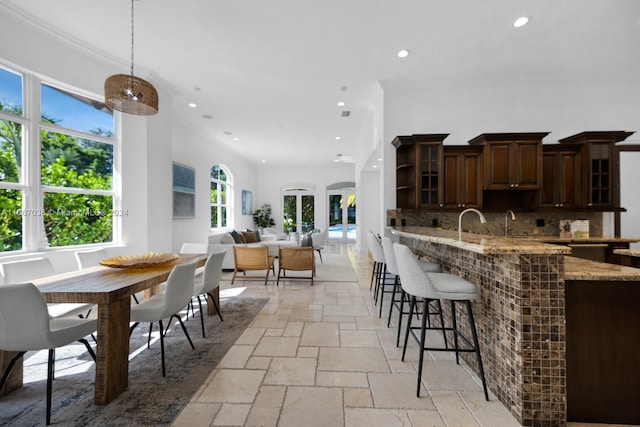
112 364
211 309
15 379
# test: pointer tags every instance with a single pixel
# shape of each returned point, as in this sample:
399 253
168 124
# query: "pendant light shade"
128 93
131 94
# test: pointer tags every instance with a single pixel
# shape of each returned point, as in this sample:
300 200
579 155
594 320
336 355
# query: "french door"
298 211
342 215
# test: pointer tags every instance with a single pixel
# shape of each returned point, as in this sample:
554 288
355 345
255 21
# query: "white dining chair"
36 268
176 296
195 248
90 258
210 281
25 326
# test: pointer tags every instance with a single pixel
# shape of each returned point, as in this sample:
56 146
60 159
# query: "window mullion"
32 225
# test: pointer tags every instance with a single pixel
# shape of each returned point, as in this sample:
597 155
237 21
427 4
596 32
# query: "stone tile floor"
320 356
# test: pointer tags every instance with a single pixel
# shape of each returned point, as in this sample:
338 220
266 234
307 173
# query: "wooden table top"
103 285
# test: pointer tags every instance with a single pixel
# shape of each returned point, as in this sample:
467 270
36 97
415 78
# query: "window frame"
30 183
230 198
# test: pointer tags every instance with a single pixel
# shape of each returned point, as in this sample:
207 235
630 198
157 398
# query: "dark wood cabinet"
599 168
561 182
511 161
462 175
419 171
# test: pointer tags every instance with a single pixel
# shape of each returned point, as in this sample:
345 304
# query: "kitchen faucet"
482 220
506 219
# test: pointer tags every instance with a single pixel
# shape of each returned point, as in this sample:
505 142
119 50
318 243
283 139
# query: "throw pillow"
227 239
257 234
236 237
249 237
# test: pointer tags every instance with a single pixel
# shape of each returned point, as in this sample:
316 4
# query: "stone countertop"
589 240
627 252
481 244
584 269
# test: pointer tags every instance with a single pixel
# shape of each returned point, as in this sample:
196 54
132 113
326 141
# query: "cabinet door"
462 180
525 165
600 174
560 179
470 173
498 160
429 185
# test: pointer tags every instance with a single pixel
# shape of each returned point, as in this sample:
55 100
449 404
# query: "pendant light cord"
132 37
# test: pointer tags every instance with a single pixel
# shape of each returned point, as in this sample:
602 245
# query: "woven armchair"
252 258
296 259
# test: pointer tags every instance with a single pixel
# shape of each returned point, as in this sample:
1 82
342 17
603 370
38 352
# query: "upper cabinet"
599 172
511 161
462 176
561 182
418 171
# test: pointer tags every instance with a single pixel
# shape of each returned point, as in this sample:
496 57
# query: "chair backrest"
24 320
296 258
375 248
213 271
26 270
90 258
319 240
413 279
194 248
389 256
179 288
251 257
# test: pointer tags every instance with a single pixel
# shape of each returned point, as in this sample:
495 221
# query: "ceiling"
268 74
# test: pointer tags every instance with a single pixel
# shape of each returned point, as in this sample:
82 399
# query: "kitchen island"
522 317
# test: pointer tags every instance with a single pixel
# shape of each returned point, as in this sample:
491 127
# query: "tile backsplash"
526 223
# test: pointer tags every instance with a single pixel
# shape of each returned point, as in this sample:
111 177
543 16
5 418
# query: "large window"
221 197
56 172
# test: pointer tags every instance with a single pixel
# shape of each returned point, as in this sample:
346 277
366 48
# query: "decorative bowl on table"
151 259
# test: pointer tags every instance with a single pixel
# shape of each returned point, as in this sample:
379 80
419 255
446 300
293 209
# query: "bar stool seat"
451 287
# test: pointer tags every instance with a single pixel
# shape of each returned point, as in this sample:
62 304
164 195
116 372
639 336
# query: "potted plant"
262 217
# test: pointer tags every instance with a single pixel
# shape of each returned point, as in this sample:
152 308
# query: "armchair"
252 258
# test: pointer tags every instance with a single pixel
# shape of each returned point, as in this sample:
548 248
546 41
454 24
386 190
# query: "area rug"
150 399
332 268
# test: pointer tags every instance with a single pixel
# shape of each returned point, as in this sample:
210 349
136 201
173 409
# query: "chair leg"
393 297
423 331
412 305
7 371
184 329
320 253
49 383
215 304
89 349
381 284
201 316
477 347
161 346
150 330
278 279
399 331
455 331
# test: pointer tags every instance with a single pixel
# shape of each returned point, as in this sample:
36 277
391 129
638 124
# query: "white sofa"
219 241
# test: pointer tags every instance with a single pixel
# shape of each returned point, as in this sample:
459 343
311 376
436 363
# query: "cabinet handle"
464 204
517 185
511 186
441 204
590 204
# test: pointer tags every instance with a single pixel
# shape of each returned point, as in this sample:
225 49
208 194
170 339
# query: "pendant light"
128 93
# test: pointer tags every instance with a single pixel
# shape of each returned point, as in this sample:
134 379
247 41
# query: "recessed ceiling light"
403 53
236 139
340 104
263 161
337 138
375 166
521 22
193 105
379 160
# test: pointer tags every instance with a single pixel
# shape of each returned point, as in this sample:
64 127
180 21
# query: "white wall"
194 148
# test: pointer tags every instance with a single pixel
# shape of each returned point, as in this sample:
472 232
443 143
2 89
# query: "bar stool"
382 284
392 267
436 286
377 262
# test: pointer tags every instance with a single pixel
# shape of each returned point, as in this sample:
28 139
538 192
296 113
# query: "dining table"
111 289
